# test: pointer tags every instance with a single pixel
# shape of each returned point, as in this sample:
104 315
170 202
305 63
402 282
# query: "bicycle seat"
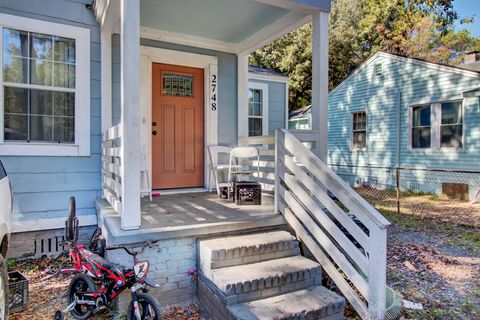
102 261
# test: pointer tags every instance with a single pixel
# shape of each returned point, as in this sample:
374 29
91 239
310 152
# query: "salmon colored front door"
177 127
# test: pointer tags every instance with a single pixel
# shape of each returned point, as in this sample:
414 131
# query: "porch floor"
189 214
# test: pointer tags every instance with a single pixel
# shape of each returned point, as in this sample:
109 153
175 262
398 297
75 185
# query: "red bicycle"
98 282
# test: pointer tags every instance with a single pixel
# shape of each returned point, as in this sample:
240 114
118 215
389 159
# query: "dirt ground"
430 260
47 294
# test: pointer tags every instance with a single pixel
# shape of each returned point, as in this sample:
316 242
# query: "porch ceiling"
227 21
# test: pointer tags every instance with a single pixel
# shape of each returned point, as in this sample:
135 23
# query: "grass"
468 237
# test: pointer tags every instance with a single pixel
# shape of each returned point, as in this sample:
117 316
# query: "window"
359 130
44 88
437 126
421 127
257 109
451 127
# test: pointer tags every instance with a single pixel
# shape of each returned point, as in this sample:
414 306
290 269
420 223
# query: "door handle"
154 132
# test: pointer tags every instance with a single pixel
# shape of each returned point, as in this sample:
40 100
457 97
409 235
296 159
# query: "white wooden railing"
266 144
111 162
316 202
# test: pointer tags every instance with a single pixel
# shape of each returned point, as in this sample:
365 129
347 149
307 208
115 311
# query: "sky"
467 9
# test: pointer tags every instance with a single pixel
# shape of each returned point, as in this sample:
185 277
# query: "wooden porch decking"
189 215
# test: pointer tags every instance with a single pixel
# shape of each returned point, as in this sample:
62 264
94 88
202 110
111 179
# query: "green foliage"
421 29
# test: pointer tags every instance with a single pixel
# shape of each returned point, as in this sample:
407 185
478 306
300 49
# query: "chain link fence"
450 195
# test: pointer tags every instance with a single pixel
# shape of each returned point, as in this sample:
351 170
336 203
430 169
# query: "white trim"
48 223
242 95
265 106
106 79
81 146
435 128
300 6
188 40
267 77
209 64
435 66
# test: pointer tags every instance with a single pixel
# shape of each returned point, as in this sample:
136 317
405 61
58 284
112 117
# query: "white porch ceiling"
220 20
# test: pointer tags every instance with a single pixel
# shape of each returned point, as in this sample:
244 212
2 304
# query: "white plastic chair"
217 167
235 168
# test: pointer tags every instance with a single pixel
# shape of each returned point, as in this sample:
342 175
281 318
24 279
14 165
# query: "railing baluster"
299 209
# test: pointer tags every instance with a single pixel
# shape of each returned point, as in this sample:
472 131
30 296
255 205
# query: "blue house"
400 112
109 100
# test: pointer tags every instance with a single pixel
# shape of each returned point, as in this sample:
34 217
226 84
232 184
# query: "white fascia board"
267 77
273 31
188 40
306 6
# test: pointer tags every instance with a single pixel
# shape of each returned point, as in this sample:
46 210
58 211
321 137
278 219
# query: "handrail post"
377 274
276 177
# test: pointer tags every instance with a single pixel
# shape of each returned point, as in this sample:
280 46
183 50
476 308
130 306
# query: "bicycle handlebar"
134 254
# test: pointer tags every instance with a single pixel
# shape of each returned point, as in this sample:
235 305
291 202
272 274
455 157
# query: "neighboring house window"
451 126
421 127
257 109
437 126
359 130
45 91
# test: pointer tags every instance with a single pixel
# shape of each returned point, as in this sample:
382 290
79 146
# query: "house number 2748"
213 99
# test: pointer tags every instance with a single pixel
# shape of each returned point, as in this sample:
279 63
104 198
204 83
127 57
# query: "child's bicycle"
98 282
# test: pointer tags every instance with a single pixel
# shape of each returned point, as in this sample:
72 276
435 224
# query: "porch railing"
111 162
266 144
345 234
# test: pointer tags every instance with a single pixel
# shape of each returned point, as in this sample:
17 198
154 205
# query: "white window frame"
81 145
435 127
352 148
264 88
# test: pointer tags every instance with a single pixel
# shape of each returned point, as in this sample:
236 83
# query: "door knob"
154 132
154 124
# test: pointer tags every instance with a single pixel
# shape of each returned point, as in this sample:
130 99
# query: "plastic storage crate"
248 193
17 291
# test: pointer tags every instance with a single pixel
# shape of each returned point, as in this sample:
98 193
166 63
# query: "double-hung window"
359 130
257 109
437 126
45 88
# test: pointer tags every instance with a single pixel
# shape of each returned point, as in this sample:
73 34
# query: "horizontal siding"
276 104
42 185
402 85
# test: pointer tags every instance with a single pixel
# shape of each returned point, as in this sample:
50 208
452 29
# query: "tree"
422 29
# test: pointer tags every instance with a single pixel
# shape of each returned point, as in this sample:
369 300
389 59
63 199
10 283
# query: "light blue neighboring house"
400 112
300 119
52 150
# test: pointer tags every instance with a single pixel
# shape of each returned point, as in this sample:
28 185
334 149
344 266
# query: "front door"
177 127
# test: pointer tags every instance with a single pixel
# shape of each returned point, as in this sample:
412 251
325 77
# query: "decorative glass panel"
177 85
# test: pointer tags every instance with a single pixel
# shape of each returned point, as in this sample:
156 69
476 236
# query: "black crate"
17 291
248 193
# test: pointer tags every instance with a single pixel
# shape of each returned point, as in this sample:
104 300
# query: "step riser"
246 255
246 294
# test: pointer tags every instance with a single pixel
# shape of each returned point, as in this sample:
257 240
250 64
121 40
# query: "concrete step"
312 303
245 249
265 279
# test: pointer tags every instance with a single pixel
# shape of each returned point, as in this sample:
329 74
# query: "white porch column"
242 94
320 81
130 112
106 79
